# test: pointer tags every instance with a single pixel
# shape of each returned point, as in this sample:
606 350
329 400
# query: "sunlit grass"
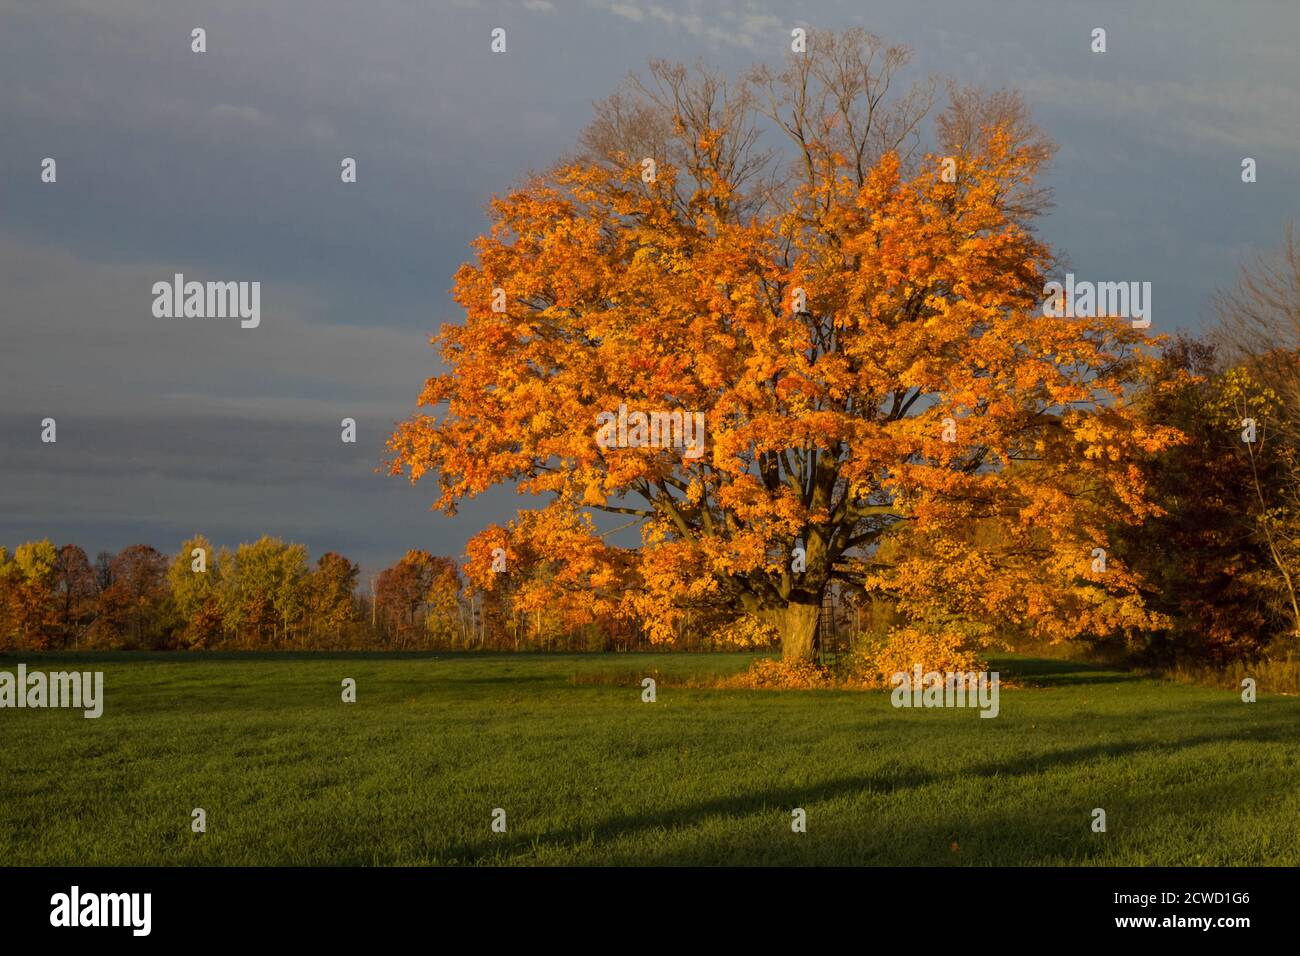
588 774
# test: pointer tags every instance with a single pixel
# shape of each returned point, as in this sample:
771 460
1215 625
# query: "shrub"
875 659
773 674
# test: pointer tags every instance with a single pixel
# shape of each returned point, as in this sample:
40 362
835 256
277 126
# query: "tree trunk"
799 631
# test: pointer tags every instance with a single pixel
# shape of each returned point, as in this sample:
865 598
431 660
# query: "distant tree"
264 589
35 605
413 589
331 598
11 577
37 560
103 571
76 593
443 612
136 608
197 594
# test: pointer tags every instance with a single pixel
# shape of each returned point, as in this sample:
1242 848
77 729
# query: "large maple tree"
858 320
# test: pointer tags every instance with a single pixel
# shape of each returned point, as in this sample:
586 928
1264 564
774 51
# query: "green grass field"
588 774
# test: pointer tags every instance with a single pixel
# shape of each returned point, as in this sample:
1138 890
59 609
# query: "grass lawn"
588 774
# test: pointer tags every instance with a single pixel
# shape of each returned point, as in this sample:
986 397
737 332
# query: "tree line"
1214 566
264 594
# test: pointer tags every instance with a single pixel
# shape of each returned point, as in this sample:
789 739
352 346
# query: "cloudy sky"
225 165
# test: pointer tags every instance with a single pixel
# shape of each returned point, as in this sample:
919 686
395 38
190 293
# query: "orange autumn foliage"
768 674
873 663
826 322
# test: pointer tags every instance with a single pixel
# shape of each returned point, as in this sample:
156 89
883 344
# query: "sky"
225 165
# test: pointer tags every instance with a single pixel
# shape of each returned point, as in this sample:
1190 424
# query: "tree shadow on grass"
1050 672
1273 719
785 799
1056 831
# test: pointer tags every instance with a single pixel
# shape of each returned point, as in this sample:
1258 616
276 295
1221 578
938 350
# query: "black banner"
333 906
